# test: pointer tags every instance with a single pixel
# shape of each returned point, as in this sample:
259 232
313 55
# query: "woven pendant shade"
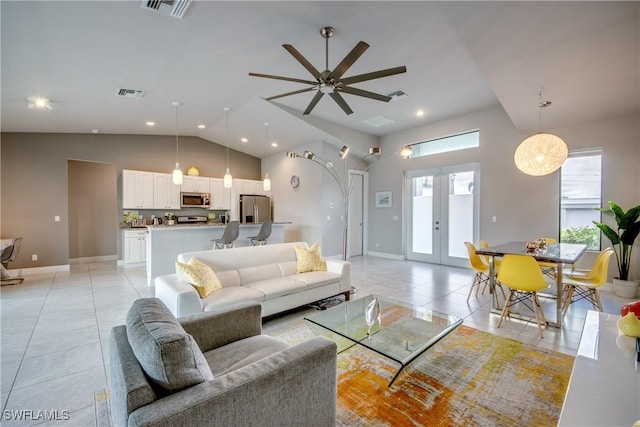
541 154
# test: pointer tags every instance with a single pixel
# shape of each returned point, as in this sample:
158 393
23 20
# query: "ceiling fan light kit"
331 82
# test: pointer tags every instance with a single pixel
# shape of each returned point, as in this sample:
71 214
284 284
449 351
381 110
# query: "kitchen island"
165 242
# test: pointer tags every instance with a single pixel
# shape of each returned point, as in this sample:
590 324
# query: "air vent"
398 94
130 93
175 8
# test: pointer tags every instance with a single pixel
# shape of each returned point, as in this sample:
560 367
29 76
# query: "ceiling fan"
331 81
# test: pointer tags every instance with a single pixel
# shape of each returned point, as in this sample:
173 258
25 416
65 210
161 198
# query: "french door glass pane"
460 212
422 237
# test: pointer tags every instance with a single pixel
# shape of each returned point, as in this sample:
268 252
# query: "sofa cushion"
310 259
238 354
168 355
260 272
273 288
200 275
231 295
314 279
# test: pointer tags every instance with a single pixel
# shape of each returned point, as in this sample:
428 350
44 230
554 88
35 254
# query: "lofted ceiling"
460 57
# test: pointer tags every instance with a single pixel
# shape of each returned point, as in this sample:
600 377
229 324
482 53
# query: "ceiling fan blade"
302 60
289 79
313 102
365 93
374 75
341 102
348 60
295 92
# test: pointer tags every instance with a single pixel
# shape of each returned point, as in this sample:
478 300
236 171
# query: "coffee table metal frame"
403 334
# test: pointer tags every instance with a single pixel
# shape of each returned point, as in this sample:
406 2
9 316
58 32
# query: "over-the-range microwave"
195 200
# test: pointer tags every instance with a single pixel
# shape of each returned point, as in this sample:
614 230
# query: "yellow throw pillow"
200 275
310 259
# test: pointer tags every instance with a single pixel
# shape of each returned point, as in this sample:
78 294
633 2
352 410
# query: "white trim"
39 270
88 259
386 255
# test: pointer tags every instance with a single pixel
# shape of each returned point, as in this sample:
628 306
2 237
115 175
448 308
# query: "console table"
604 389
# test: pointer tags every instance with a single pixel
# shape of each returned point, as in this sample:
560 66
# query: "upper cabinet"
166 194
195 184
248 186
137 189
220 196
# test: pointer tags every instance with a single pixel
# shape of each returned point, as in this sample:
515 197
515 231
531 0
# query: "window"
446 144
580 195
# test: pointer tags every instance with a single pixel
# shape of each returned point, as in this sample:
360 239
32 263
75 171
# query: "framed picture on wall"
383 199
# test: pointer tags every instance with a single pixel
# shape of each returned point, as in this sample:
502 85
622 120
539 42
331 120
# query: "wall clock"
295 181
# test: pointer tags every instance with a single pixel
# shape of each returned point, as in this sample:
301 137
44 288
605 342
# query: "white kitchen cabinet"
137 189
195 184
135 246
249 186
166 194
220 196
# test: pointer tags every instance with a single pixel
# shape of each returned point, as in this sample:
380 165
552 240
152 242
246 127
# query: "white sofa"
262 274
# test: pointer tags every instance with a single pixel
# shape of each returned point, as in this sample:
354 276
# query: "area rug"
470 378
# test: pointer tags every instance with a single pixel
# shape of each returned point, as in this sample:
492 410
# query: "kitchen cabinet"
220 196
135 246
249 186
195 184
137 189
166 194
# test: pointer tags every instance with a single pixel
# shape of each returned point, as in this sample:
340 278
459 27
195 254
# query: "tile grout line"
13 382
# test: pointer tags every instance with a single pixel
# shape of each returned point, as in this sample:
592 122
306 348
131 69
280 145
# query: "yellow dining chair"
483 245
549 268
481 278
586 287
581 273
522 275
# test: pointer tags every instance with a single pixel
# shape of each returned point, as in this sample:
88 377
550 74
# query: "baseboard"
85 260
386 255
39 270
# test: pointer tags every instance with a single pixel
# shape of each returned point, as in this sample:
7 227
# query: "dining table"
560 254
5 243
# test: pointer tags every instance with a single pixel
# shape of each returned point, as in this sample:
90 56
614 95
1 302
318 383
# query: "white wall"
526 207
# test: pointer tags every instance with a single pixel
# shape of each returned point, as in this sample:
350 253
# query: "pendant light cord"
176 105
227 110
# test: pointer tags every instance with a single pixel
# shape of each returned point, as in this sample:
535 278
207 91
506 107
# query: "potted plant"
622 240
170 218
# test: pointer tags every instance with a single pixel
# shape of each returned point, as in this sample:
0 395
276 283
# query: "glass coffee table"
403 333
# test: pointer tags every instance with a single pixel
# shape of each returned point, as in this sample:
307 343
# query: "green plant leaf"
630 234
630 217
608 232
618 214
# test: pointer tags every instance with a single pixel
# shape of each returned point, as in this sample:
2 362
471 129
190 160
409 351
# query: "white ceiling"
460 57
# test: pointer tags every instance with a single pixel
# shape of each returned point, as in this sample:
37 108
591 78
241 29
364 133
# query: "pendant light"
228 179
266 184
542 153
177 172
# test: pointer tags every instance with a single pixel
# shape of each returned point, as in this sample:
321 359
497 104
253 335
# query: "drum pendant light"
228 179
542 153
177 172
266 184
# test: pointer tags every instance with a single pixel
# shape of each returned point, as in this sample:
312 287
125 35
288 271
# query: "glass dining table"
559 254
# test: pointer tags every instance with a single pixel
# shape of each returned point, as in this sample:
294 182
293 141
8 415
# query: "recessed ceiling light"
274 144
150 123
244 140
39 102
420 113
95 131
201 126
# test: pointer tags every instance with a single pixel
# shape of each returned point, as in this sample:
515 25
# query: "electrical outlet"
34 257
56 218
494 219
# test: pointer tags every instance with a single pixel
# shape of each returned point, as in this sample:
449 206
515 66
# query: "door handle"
436 228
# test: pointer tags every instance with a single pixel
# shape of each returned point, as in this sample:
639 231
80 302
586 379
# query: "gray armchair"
254 379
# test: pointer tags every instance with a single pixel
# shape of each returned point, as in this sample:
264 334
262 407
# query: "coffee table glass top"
403 333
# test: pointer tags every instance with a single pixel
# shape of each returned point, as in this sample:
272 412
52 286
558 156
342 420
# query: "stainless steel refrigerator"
254 208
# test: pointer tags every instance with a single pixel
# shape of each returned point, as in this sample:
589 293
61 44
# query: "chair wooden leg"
505 309
596 298
567 296
473 284
538 313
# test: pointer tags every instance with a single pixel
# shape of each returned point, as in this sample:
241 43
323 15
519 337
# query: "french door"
442 213
358 189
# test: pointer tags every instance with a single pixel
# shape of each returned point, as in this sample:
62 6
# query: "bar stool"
263 234
231 233
9 254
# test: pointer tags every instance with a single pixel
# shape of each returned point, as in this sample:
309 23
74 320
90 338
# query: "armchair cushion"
168 355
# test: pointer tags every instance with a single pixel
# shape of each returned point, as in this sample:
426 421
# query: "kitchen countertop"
187 225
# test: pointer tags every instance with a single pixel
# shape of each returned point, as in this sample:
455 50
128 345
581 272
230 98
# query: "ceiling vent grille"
175 8
398 94
130 93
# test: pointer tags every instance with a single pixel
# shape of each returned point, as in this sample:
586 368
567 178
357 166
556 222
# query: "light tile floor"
55 327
